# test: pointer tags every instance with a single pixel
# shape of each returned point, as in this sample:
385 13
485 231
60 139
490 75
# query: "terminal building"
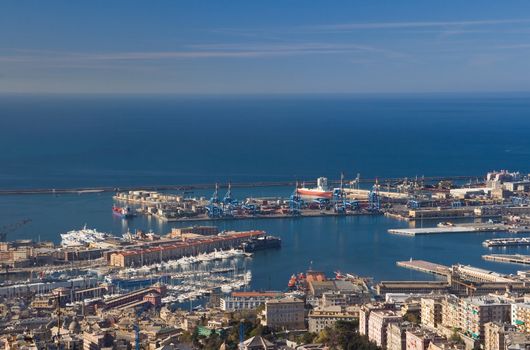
175 249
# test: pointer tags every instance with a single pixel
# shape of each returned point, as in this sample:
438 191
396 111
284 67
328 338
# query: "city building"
378 323
495 334
175 249
326 316
475 312
520 316
286 313
396 335
419 339
364 315
517 341
431 311
247 300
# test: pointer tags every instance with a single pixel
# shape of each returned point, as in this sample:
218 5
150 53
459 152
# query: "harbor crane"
4 230
374 200
295 202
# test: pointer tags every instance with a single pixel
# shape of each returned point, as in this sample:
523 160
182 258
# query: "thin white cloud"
197 52
419 24
514 46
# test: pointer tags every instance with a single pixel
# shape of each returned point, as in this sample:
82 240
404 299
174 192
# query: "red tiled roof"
256 294
189 243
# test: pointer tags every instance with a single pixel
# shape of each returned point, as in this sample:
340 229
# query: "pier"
508 258
507 242
473 228
425 266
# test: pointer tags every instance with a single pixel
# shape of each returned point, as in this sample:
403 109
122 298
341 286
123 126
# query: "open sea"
49 141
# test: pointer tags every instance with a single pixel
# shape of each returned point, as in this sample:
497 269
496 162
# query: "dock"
425 266
303 214
508 258
507 242
473 228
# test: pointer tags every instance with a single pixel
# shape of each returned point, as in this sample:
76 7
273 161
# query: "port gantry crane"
295 202
4 230
217 208
339 197
213 209
374 200
229 203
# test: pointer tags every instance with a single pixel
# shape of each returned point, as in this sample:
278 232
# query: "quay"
190 187
303 214
508 258
507 242
473 228
425 266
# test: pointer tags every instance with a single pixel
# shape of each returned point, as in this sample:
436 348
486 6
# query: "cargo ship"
321 191
124 212
260 243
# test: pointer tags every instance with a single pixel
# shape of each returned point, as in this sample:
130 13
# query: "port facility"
508 258
474 228
425 266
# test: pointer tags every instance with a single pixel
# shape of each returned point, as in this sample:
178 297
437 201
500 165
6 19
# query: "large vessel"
262 242
82 237
321 191
124 212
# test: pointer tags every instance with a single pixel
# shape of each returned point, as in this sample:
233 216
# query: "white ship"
82 237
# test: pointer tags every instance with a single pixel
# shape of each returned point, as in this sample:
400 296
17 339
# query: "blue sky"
264 46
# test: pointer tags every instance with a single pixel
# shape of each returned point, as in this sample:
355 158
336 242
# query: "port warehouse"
175 249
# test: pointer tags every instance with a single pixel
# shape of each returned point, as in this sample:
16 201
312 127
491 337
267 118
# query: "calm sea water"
57 141
54 141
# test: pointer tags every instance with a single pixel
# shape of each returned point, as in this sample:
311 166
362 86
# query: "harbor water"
83 141
355 244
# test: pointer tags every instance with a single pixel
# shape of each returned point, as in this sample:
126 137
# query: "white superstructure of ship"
82 237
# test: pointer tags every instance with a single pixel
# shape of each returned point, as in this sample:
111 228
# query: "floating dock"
508 258
425 266
475 228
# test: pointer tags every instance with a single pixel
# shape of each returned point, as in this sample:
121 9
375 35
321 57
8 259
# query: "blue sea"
52 141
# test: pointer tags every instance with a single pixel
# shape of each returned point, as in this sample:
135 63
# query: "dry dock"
508 258
474 228
425 266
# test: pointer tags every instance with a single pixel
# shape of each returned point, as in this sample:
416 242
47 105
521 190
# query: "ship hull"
304 192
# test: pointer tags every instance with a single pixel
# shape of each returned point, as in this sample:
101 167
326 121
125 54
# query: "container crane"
374 201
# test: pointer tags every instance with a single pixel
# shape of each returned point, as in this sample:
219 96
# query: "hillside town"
470 309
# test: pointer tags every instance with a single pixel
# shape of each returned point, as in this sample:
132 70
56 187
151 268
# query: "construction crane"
4 230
